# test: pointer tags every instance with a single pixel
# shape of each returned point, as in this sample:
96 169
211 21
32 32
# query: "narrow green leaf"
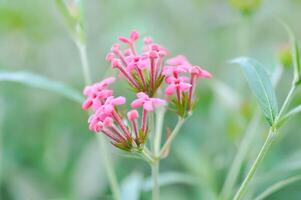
261 85
41 82
295 52
277 186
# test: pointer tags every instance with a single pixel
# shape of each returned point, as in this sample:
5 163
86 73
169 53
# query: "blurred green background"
46 150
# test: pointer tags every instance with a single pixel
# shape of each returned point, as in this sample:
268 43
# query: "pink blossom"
132 115
148 103
97 93
134 35
177 84
178 60
199 72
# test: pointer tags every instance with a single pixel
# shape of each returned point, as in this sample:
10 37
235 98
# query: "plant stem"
84 60
104 153
260 156
109 169
159 126
155 177
172 136
286 101
160 112
240 156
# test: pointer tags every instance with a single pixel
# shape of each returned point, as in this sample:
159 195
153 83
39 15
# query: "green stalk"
264 149
172 136
155 177
84 60
271 137
104 153
160 112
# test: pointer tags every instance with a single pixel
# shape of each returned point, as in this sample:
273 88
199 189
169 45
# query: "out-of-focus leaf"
227 95
292 112
169 178
131 186
277 186
261 85
295 52
41 82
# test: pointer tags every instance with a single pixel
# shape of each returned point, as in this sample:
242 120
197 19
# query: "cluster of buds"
146 74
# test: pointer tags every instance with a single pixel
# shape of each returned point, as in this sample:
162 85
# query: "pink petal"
108 122
158 101
184 87
132 115
134 35
170 89
178 60
87 104
142 95
148 40
118 101
124 40
137 103
148 105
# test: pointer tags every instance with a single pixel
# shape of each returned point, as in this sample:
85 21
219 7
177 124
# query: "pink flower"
178 60
134 35
177 84
97 93
199 72
148 103
132 115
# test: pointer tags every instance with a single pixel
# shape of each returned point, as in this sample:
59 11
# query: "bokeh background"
46 149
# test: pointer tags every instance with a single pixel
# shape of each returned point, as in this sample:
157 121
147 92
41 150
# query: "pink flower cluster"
142 71
107 119
180 77
146 73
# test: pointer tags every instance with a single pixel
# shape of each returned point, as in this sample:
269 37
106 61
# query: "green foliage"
41 82
295 52
261 85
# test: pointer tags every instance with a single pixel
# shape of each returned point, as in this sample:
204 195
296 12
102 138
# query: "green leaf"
292 112
261 85
41 82
295 52
277 186
169 178
131 186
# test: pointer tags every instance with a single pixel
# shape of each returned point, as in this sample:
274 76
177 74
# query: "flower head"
148 103
148 75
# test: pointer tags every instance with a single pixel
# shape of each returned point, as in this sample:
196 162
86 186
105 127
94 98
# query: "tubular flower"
182 86
142 71
148 75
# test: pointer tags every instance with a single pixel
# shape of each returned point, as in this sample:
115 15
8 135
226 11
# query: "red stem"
121 125
191 90
144 121
152 75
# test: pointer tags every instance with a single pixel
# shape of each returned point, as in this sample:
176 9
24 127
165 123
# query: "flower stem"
267 144
155 176
172 136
